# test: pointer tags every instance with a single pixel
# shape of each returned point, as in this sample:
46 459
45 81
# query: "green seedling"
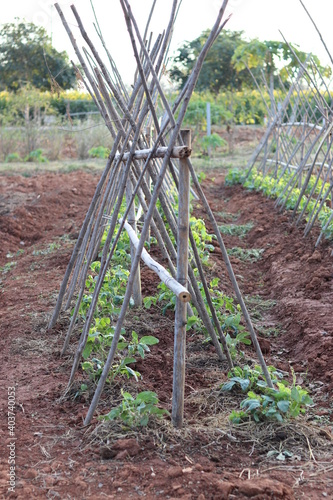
136 411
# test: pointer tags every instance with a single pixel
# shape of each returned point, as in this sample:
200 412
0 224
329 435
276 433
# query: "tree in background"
227 63
276 60
218 72
27 57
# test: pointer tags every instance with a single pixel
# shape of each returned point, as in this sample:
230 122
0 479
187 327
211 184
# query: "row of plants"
133 410
273 186
32 142
243 107
73 101
131 346
37 156
262 403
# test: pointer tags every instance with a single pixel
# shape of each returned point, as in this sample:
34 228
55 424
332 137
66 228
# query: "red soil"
54 454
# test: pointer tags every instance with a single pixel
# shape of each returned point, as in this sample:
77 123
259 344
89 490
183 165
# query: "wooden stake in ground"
182 276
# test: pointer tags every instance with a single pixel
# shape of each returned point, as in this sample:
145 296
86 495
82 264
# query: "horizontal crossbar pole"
142 154
173 285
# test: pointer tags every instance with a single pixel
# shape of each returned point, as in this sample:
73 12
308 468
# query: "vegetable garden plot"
154 187
53 424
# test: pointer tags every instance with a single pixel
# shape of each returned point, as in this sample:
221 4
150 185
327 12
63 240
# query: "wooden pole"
182 277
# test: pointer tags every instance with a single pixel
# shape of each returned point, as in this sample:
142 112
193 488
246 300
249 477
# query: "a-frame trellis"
297 148
135 168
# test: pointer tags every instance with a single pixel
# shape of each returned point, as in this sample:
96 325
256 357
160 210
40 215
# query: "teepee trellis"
142 168
297 146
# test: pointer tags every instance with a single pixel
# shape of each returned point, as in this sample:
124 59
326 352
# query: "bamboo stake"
313 189
94 202
112 63
105 261
96 196
90 212
282 200
320 36
182 276
129 16
260 147
193 286
202 309
313 218
82 265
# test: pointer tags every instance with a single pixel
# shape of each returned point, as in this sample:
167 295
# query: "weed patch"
246 254
236 230
228 217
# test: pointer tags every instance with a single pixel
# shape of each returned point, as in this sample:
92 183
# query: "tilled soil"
57 457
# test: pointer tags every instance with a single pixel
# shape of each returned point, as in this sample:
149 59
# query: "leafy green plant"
99 152
228 314
111 294
201 177
36 156
98 343
234 176
276 404
136 411
149 301
212 142
265 403
247 377
7 267
13 157
139 346
94 368
202 238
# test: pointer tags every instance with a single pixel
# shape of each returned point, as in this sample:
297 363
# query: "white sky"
257 18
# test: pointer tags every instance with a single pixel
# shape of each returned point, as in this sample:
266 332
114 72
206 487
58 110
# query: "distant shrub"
36 155
12 157
99 152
